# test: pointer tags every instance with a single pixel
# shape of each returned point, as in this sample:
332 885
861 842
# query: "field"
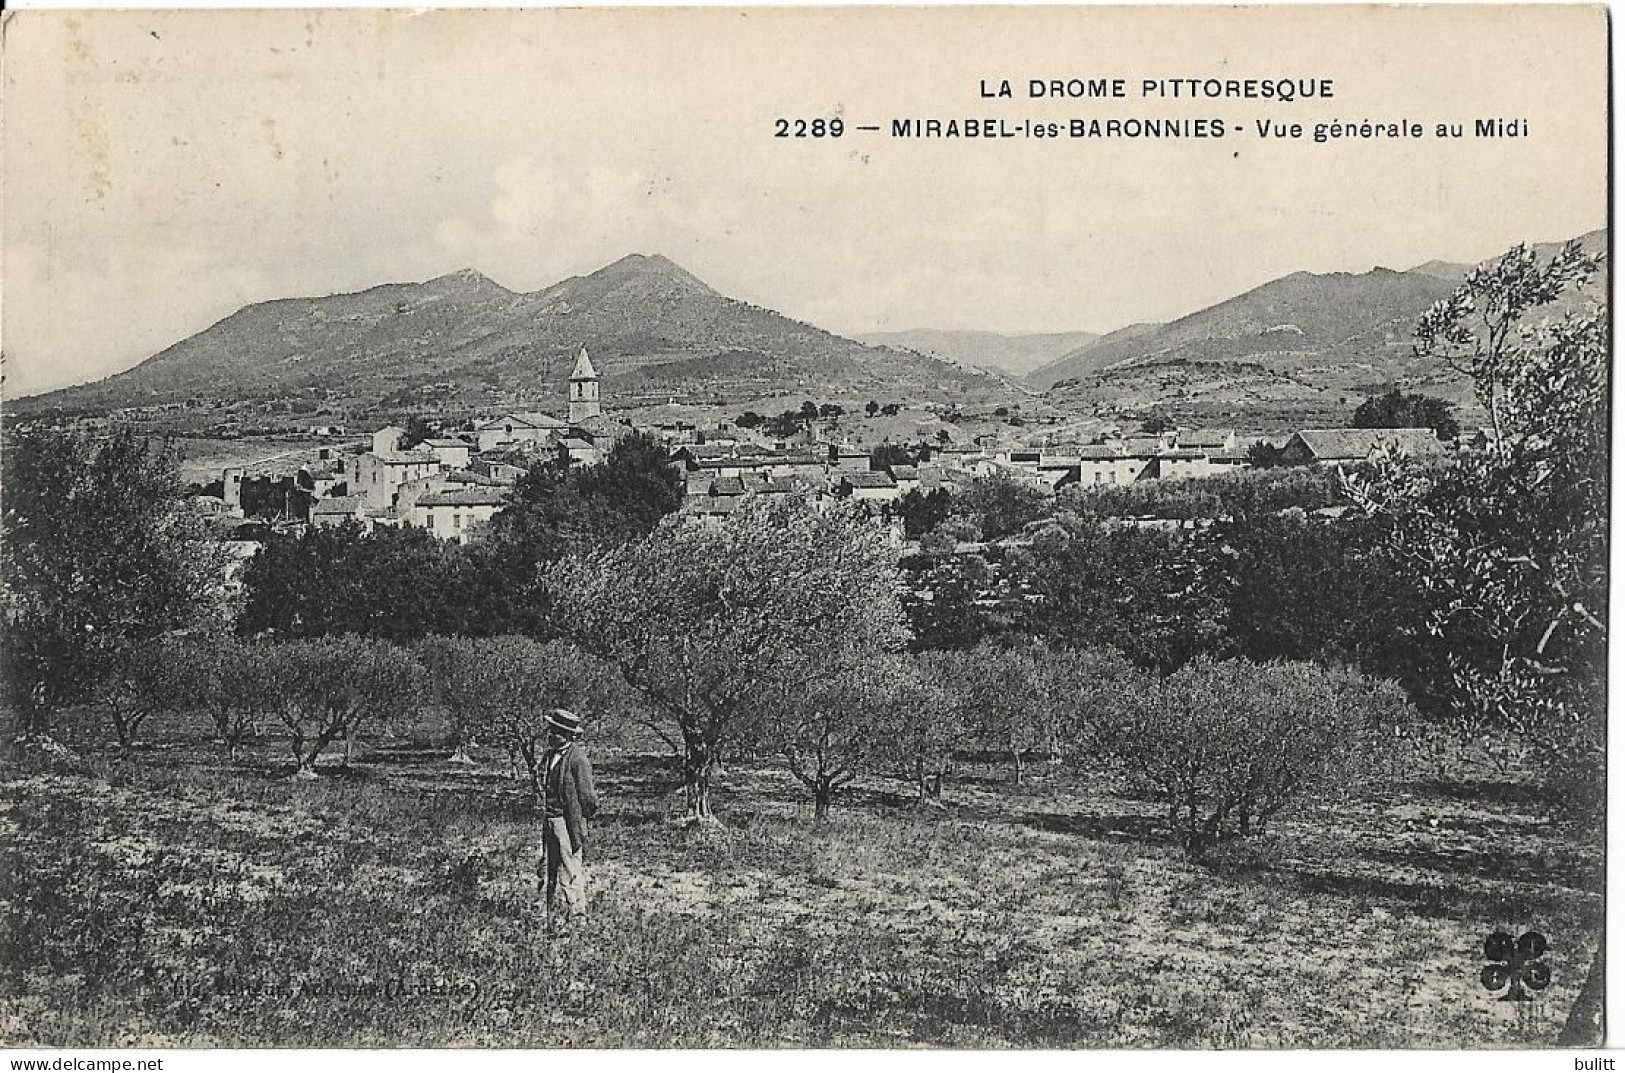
177 899
204 458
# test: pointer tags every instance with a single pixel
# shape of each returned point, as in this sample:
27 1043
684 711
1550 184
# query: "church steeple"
583 389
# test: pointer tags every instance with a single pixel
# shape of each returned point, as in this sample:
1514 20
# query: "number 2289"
808 128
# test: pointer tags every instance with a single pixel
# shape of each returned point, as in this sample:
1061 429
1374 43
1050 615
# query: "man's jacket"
567 791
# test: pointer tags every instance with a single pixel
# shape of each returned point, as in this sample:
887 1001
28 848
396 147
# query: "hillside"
1014 355
463 341
1303 348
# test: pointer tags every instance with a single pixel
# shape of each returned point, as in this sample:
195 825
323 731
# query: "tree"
785 425
830 411
332 687
749 419
554 509
237 683
1155 424
500 689
98 552
923 512
1509 543
1225 746
1395 410
842 722
418 429
888 455
706 620
872 409
400 584
1479 330
1144 592
1298 587
1002 504
1263 455
144 679
927 722
1004 696
956 601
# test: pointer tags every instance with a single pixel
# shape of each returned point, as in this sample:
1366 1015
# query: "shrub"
1227 745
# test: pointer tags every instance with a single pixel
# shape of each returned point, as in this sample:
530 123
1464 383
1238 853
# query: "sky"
162 170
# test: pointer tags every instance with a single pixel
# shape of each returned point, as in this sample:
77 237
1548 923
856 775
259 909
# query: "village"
453 481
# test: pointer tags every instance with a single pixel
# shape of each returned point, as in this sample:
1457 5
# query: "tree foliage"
1395 410
1006 699
398 584
99 553
499 690
1227 745
705 620
846 721
1509 543
1001 505
1146 592
330 688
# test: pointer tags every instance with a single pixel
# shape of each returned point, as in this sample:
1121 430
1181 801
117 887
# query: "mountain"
463 341
1014 355
1449 270
1307 347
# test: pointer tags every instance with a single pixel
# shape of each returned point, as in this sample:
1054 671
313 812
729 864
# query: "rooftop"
525 419
465 497
869 480
1359 443
345 505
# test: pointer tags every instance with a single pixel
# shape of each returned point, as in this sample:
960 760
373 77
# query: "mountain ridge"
461 340
1305 346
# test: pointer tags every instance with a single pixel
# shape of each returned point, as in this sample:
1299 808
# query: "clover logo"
1515 965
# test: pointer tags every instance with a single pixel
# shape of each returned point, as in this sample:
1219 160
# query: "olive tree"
844 722
139 682
928 722
99 551
1508 542
1226 745
1004 697
705 620
500 689
329 688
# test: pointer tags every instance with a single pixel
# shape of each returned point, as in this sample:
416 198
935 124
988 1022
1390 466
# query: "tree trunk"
699 797
1019 767
698 767
821 799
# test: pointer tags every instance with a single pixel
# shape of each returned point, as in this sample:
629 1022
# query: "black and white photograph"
799 528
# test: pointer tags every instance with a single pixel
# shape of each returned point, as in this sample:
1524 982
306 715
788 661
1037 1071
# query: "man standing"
568 802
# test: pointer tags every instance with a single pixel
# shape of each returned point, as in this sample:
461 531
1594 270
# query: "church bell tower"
583 390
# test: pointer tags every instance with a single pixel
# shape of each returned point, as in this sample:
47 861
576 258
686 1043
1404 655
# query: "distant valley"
1013 355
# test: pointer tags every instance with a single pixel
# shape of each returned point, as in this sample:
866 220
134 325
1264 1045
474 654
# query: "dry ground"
177 899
